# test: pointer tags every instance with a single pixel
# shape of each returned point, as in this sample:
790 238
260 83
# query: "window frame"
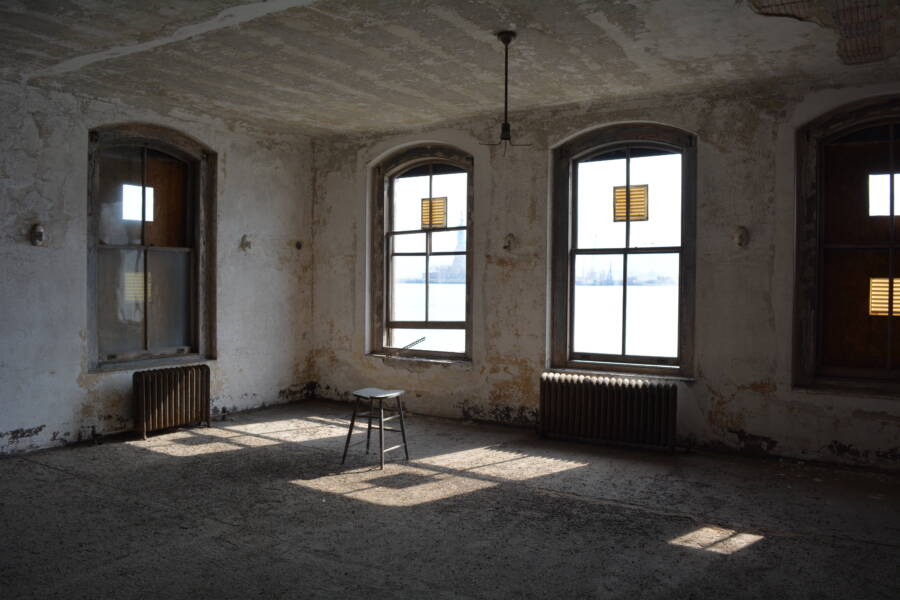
811 141
563 209
202 168
379 299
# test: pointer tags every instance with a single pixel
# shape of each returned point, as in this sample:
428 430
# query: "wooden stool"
373 394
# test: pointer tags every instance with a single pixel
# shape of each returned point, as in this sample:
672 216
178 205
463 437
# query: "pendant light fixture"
505 37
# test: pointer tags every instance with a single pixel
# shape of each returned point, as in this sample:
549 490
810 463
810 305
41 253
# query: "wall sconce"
38 236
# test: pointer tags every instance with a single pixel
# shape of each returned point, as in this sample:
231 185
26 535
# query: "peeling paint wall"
47 394
742 399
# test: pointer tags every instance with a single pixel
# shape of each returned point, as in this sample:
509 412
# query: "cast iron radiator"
165 398
608 410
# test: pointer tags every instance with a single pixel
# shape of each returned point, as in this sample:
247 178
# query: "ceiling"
345 66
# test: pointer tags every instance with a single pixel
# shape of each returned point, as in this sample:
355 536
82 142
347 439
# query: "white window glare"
131 203
880 194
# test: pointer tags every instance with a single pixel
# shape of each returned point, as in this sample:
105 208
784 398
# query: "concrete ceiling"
342 66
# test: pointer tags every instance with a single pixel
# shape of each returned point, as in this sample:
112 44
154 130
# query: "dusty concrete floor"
259 506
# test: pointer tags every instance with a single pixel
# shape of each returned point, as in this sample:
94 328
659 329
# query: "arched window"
847 300
151 282
623 250
421 254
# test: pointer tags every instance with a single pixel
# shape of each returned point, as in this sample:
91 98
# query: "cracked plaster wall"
742 398
47 395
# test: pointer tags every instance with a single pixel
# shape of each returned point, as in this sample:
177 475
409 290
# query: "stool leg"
381 428
402 427
350 431
369 431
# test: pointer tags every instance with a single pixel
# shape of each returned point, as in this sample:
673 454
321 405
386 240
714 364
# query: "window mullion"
627 243
428 241
891 170
145 252
572 248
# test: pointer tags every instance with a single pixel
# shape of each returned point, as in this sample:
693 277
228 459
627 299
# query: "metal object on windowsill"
391 353
505 37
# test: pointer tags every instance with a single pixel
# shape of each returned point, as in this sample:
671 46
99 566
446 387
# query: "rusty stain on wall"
721 412
503 414
759 387
880 416
841 449
753 444
892 455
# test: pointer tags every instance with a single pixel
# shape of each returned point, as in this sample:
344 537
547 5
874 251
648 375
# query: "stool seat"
373 392
373 395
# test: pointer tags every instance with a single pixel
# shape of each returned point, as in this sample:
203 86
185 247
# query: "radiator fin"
166 398
608 410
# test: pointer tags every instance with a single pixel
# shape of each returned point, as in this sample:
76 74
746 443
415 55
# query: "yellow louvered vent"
134 287
639 203
434 213
879 292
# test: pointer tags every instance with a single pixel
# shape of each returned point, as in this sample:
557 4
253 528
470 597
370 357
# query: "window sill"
850 387
653 373
150 363
461 361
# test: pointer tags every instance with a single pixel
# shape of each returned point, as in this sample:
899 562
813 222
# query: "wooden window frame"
202 168
562 246
811 141
379 298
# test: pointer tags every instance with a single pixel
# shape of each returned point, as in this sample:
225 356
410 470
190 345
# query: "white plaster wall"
263 296
742 398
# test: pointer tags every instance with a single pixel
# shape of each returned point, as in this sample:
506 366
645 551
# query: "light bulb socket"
506 37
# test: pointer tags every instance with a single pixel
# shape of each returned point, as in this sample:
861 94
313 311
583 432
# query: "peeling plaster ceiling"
342 66
869 29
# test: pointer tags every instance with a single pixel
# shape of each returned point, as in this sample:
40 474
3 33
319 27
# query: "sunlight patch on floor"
186 443
502 464
187 450
716 539
400 486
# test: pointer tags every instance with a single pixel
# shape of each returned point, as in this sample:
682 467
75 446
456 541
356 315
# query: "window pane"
168 313
651 315
119 196
409 242
447 288
597 323
852 337
407 206
407 288
895 167
851 211
662 176
440 340
449 241
597 180
167 186
880 195
453 186
120 302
